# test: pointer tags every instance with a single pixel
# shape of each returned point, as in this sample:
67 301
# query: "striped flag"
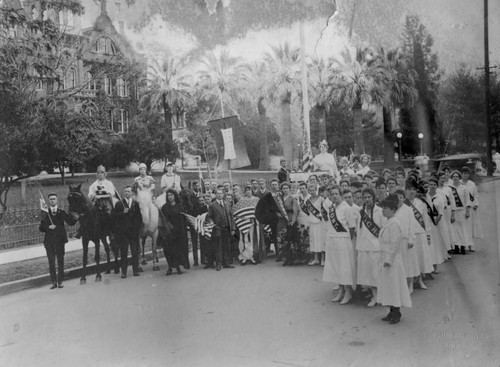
199 224
307 160
243 218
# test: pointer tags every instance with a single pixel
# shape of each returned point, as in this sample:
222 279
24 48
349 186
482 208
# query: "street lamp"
181 146
399 136
421 136
300 153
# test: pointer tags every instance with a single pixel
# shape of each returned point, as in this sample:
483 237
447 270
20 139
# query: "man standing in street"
220 215
55 238
127 228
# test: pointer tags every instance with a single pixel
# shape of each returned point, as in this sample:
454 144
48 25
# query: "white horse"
150 220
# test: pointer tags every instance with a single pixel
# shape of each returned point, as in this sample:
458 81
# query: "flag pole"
305 92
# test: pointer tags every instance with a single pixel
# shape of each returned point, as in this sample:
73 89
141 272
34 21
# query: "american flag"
307 160
244 218
199 224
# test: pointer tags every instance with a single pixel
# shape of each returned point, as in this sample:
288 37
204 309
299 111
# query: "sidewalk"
35 251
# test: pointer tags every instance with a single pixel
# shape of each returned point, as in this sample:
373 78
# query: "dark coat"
217 216
58 235
267 210
283 175
129 224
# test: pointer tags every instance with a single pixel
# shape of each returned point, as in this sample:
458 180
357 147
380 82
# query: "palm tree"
402 92
320 91
358 79
170 90
283 64
226 77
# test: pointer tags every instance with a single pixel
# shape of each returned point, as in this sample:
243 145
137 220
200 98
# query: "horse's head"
78 202
104 206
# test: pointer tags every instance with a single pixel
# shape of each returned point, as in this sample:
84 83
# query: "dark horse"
95 225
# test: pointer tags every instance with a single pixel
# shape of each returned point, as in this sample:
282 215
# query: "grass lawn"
119 179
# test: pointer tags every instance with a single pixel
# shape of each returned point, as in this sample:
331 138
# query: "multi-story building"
100 70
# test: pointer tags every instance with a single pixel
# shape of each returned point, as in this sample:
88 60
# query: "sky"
456 26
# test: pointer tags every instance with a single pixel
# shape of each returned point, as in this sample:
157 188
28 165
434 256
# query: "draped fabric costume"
392 287
173 238
149 212
367 246
244 216
340 262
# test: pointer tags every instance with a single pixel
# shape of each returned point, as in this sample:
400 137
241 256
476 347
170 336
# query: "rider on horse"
101 189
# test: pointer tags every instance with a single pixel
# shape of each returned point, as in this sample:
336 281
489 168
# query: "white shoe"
346 299
372 303
313 262
338 297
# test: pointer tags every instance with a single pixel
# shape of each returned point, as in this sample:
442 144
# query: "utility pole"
489 155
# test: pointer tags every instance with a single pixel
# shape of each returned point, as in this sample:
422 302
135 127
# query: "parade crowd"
381 233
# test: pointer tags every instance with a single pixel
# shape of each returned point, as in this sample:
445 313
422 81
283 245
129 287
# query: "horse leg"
143 245
85 243
154 238
115 247
98 276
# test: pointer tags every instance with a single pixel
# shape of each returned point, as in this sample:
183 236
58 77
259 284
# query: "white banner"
227 136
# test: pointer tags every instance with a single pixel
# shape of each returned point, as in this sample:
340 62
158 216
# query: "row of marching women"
385 237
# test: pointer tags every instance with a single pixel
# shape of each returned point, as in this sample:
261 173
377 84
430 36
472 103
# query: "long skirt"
444 229
316 237
437 245
392 287
458 233
247 243
445 226
368 268
410 260
173 250
423 253
340 264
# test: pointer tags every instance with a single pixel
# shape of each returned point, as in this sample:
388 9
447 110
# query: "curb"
41 280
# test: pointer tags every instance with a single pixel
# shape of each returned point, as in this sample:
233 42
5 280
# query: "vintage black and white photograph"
255 183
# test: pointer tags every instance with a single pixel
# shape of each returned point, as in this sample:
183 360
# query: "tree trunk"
388 138
264 153
167 111
287 128
61 171
322 123
359 146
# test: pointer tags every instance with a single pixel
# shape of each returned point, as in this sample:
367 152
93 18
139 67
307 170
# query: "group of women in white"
387 236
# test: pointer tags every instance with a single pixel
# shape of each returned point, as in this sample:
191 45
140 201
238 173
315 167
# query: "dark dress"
173 237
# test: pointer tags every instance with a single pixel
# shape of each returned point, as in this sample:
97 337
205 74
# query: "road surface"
264 315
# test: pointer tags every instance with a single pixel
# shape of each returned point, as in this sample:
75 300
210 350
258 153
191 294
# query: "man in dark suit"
220 215
271 210
283 173
127 226
55 238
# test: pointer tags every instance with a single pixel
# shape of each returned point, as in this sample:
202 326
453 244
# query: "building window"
71 80
111 122
38 80
122 87
124 121
91 82
107 85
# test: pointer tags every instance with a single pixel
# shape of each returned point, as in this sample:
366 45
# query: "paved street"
263 315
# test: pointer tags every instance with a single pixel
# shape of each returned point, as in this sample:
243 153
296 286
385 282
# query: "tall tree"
417 46
319 76
401 93
284 82
356 80
171 91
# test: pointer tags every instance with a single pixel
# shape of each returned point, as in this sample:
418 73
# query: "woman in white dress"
145 191
474 229
316 233
170 179
367 244
436 210
393 289
460 215
340 263
325 161
364 160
